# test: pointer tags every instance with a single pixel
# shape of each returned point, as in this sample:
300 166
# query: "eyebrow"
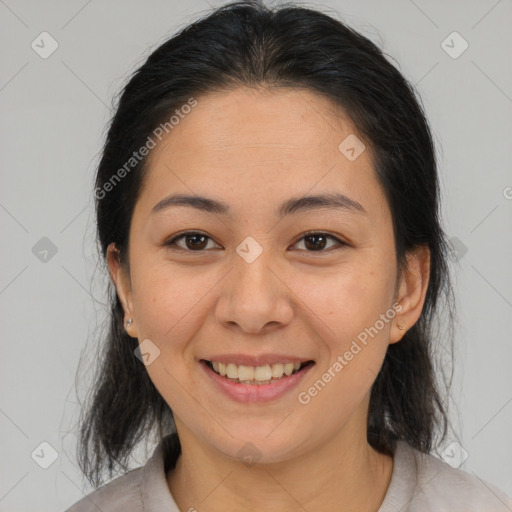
289 207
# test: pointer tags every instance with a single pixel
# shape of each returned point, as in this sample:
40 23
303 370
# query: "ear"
121 279
412 290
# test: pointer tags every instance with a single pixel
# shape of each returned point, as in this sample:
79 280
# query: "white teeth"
245 373
255 375
232 371
288 368
277 370
262 373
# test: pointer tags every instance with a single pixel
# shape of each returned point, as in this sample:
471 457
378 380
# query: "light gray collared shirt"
419 483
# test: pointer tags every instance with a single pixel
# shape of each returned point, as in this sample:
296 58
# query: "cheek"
349 306
169 305
168 298
349 299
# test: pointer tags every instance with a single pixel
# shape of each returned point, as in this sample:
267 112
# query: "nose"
255 297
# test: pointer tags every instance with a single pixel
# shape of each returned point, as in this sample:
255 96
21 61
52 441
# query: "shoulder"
143 488
434 485
122 494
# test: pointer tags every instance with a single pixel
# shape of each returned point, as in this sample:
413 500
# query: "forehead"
273 121
257 145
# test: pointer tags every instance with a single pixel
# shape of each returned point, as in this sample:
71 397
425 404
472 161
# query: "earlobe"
412 291
397 332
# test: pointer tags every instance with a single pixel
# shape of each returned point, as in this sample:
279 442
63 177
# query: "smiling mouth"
256 375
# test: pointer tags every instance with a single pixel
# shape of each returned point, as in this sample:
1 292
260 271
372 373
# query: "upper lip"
261 360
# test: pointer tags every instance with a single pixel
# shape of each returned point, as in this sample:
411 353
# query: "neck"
345 473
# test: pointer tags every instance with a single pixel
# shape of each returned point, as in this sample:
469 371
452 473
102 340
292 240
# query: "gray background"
53 115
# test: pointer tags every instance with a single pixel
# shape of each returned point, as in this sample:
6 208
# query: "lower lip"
255 392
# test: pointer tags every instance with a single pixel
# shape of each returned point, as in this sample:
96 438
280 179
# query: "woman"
268 208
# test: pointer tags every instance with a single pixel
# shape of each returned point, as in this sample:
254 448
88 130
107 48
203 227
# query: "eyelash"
171 244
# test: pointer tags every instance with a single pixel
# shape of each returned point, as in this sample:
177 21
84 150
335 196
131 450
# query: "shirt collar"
156 495
155 492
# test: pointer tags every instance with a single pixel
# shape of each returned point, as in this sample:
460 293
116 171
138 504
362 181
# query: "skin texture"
254 149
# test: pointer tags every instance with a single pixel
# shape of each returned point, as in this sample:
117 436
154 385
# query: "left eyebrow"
289 207
317 202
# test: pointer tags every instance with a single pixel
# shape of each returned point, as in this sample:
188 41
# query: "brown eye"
316 242
196 242
193 242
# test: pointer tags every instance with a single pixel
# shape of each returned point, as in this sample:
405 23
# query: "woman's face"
251 287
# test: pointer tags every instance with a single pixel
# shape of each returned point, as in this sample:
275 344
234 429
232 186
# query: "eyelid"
170 243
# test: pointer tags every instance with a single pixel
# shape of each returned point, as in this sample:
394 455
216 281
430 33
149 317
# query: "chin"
265 446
